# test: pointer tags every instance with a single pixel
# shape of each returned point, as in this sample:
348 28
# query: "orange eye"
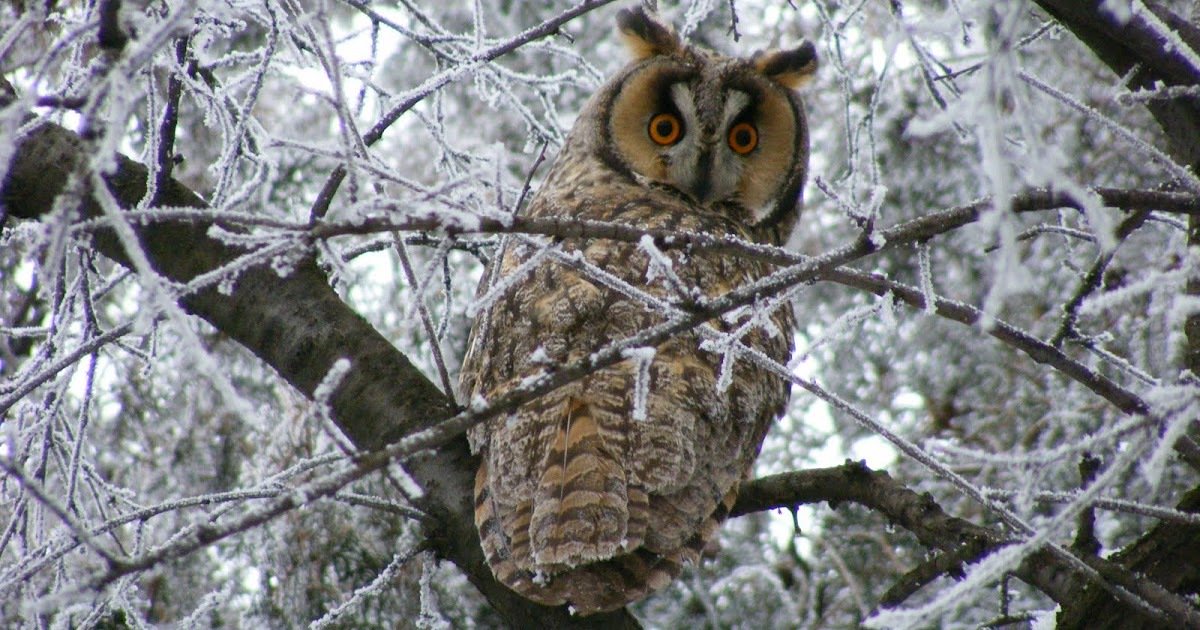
743 137
665 129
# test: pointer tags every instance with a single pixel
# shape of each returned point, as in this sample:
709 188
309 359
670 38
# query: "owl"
598 492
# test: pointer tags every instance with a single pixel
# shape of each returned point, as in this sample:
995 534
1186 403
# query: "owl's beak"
700 188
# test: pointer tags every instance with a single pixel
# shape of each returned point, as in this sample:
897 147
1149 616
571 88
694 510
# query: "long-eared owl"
597 492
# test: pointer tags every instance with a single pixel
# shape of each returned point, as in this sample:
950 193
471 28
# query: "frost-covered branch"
1092 279
960 541
298 325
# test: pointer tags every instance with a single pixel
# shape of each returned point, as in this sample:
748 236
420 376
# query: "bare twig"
165 159
1085 535
110 35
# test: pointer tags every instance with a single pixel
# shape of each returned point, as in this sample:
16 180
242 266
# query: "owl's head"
725 133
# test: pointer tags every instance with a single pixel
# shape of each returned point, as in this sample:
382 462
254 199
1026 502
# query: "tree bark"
299 326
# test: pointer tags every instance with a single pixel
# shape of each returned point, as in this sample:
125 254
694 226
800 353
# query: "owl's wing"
581 505
576 501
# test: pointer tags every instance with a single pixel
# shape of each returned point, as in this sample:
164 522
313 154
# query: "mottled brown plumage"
577 501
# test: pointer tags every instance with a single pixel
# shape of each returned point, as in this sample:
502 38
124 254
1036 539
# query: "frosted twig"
1115 505
925 271
430 617
24 332
642 359
1120 362
502 285
1047 228
35 490
844 322
381 581
1185 176
526 187
322 402
575 259
661 266
435 346
1092 279
163 164
1164 93
383 505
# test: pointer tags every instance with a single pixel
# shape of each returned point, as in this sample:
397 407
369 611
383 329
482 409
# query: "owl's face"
722 132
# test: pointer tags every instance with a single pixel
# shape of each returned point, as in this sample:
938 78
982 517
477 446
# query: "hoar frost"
539 356
642 358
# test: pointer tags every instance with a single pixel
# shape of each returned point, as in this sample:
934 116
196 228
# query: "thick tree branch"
1141 46
299 326
960 541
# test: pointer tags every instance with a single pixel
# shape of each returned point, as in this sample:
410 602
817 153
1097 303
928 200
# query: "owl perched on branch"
596 493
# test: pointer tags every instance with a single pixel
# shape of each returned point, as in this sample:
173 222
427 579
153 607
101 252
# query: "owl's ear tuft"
792 68
645 34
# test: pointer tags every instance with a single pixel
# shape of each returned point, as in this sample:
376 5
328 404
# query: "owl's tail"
580 540
592 587
582 506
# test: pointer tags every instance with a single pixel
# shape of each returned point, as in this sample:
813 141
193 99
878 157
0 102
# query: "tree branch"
299 326
960 541
1141 47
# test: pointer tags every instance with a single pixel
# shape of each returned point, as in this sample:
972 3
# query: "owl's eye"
743 137
665 129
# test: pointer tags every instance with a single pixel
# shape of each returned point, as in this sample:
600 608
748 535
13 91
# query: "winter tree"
240 244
